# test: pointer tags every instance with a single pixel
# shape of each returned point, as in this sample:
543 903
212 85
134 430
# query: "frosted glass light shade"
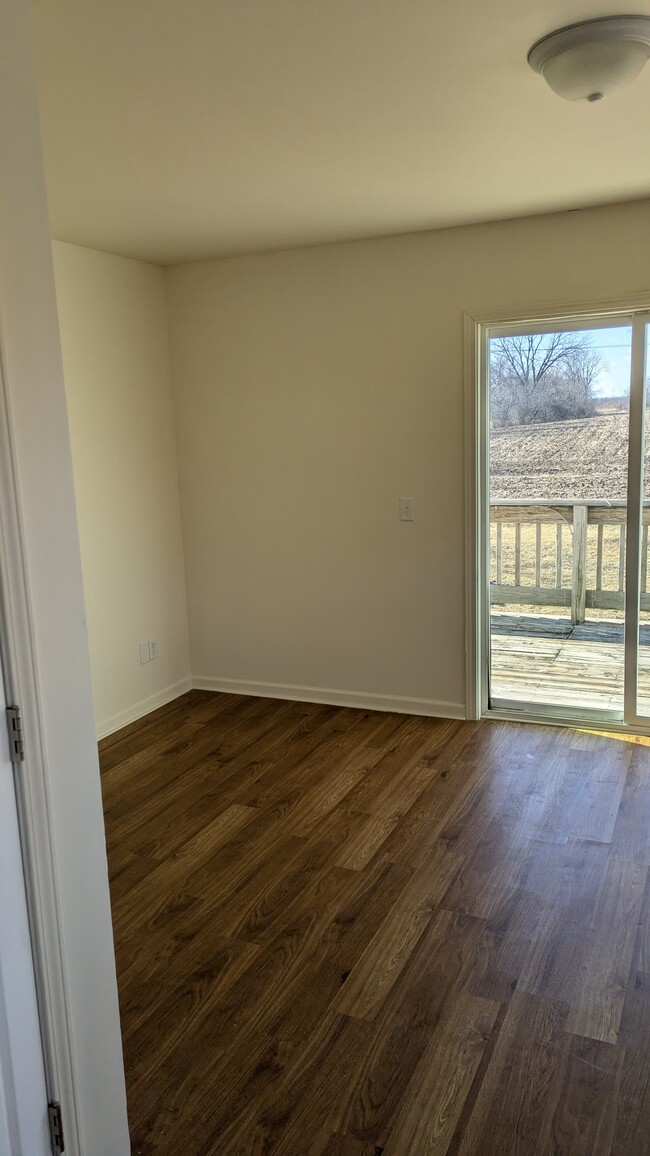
589 60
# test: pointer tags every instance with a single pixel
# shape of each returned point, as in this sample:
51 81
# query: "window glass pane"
559 414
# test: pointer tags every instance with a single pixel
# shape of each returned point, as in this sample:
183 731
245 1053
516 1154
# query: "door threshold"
597 720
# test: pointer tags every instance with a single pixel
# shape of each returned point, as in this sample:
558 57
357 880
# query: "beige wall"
314 387
116 362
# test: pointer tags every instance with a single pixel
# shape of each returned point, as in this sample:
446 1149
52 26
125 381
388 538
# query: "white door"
24 1126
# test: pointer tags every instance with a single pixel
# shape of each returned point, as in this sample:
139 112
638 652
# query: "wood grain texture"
443 1077
344 933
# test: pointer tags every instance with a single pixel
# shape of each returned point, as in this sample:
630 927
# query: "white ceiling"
180 129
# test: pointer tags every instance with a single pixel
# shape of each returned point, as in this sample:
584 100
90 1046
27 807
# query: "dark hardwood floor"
342 933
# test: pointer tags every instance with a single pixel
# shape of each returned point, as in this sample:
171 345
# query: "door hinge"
16 737
56 1127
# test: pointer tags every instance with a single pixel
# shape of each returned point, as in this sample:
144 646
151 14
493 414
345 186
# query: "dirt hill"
586 458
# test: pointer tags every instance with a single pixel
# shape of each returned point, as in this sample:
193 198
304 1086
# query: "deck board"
546 661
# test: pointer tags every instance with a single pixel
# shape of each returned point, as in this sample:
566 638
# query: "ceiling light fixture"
587 61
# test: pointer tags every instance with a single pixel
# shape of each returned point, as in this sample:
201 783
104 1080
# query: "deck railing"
573 554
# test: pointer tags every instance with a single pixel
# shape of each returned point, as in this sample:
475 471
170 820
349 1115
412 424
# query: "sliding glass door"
567 511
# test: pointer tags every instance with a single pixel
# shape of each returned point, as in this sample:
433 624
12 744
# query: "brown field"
585 460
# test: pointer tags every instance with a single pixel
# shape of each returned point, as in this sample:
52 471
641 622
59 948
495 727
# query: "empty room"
324 557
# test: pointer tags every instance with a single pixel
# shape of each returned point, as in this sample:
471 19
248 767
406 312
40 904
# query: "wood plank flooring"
345 933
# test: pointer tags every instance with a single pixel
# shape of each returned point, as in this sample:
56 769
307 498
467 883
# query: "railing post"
579 579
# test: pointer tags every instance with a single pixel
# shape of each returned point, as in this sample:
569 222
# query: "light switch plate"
144 652
406 510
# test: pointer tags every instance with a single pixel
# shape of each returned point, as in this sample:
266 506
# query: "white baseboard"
421 706
145 706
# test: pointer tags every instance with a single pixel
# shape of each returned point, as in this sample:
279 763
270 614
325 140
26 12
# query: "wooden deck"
545 660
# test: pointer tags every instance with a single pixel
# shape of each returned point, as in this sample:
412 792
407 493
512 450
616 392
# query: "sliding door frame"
635 481
636 311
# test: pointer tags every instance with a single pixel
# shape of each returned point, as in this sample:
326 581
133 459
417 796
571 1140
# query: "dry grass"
611 554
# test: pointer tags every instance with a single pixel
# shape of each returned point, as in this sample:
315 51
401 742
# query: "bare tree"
542 377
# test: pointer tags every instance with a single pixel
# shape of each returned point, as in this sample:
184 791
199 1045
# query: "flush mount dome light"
587 61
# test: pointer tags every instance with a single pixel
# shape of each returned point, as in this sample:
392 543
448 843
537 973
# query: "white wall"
313 388
113 321
61 752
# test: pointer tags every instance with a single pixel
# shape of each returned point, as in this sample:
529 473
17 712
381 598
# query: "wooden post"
599 557
499 553
579 580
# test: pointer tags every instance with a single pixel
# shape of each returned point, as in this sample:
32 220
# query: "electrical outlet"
406 510
145 654
153 648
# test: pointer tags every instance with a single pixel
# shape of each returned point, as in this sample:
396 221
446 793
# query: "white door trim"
32 791
48 668
475 640
477 623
